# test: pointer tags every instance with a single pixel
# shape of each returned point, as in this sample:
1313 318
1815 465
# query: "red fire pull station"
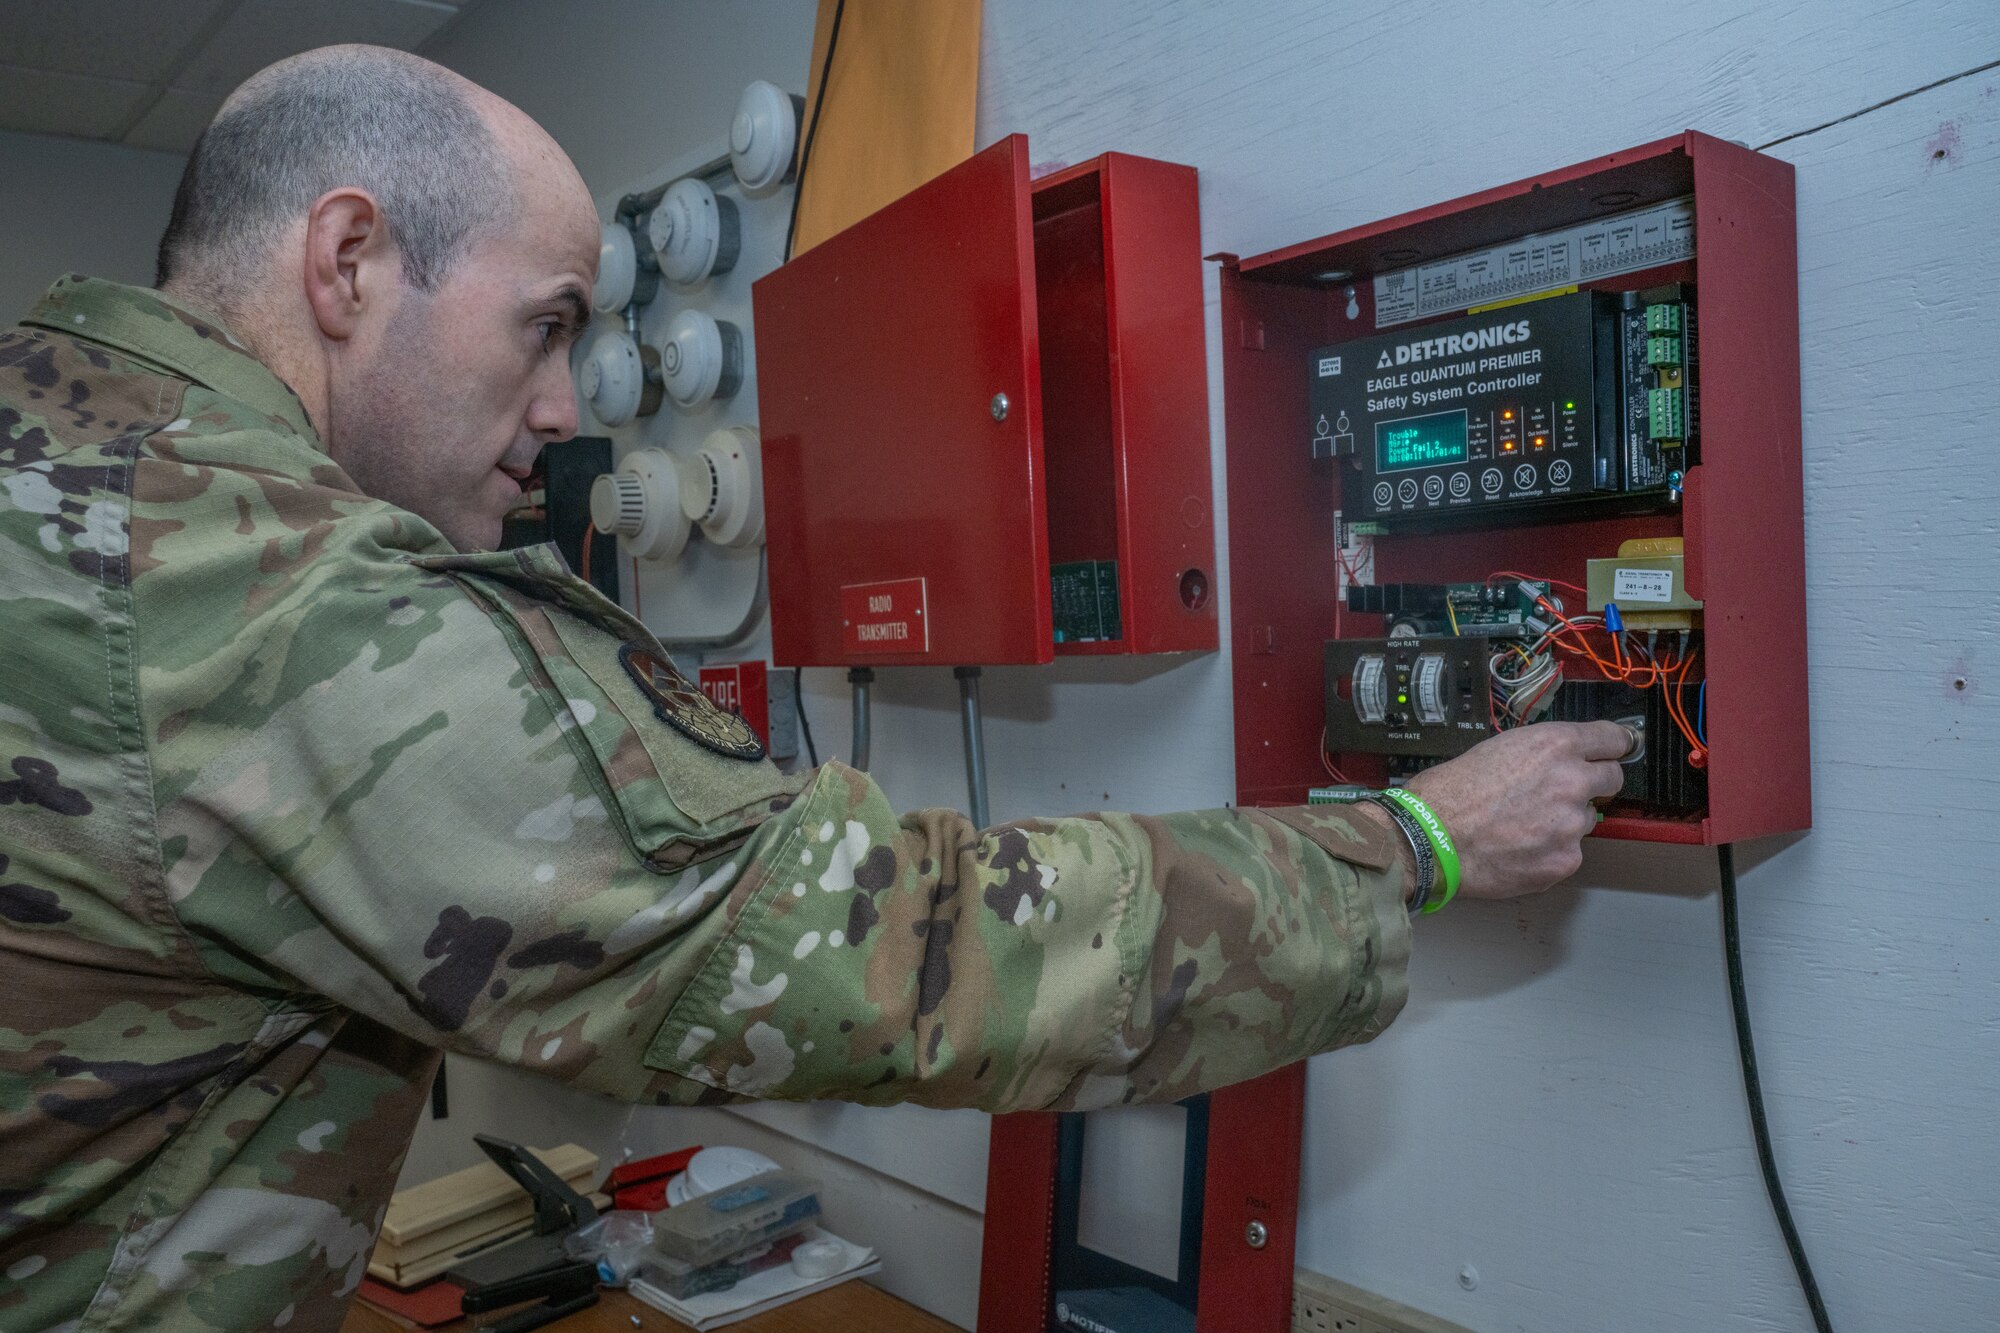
985 407
743 688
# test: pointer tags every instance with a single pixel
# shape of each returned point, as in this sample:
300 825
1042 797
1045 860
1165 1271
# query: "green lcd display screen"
1413 442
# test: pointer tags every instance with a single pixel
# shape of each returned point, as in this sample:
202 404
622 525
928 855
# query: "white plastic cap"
693 233
712 1169
820 1258
617 269
762 138
701 358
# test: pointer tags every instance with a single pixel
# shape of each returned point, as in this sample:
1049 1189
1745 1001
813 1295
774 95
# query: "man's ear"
350 261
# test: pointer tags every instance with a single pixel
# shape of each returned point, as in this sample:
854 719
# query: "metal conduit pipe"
863 680
641 202
975 741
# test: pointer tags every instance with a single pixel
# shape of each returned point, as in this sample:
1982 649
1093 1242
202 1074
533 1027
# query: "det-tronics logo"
1425 349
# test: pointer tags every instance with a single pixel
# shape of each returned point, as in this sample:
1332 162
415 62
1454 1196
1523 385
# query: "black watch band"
1420 849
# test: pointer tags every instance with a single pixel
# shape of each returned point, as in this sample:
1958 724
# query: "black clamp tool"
535 1265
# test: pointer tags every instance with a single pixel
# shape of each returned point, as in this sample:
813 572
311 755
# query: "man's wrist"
1406 853
1438 867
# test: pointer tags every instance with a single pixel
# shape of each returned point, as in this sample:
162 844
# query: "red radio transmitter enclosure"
985 421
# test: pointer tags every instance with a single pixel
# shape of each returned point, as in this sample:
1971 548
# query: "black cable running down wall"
1732 949
812 126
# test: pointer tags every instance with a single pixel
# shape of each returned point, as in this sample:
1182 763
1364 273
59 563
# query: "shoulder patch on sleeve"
681 705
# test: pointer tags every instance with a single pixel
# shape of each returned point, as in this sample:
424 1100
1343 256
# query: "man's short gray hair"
385 121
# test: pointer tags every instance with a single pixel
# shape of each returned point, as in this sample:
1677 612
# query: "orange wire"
1326 762
589 528
1499 574
1668 673
1677 710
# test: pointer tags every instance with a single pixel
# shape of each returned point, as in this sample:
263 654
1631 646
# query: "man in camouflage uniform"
297 786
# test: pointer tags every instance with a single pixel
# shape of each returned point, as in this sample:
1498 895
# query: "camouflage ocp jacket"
293 795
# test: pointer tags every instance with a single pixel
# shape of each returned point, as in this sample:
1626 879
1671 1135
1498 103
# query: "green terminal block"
1085 597
1663 350
1666 414
1664 318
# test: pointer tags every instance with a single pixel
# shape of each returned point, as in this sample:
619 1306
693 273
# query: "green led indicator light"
1402 698
1569 407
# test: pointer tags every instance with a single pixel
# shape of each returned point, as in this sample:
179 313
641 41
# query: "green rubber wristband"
1442 846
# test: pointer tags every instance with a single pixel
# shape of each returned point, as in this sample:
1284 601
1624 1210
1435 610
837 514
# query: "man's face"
443 409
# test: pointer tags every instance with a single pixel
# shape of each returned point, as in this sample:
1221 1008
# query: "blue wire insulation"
1701 716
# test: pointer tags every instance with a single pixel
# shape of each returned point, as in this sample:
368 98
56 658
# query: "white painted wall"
73 206
1559 1108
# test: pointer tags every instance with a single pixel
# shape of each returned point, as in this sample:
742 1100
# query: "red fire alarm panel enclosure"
985 420
1741 517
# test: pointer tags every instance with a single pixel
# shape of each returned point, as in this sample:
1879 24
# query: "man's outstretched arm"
437 790
1057 963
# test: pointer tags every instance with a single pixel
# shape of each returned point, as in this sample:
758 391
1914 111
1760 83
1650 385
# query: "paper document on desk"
758 1292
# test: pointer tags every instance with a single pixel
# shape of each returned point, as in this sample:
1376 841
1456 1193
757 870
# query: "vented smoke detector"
763 138
722 488
641 505
694 233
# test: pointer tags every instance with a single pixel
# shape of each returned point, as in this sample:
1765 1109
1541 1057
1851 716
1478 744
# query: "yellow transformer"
1648 581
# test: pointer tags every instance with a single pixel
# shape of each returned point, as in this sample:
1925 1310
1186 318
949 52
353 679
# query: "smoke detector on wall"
701 358
619 379
722 488
625 273
694 234
617 269
764 137
656 499
641 504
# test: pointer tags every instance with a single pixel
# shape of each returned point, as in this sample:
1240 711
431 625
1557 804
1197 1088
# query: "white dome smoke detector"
640 503
617 269
763 137
614 381
694 234
722 488
701 359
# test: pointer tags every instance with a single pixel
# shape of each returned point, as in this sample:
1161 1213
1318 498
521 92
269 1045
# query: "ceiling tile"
108 39
39 102
174 122
263 31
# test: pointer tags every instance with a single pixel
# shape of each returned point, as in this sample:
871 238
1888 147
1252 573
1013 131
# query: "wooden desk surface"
851 1305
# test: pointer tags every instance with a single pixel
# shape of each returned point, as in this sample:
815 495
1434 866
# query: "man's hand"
1518 805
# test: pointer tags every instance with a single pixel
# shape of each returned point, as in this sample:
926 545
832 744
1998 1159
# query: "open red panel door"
901 415
985 422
